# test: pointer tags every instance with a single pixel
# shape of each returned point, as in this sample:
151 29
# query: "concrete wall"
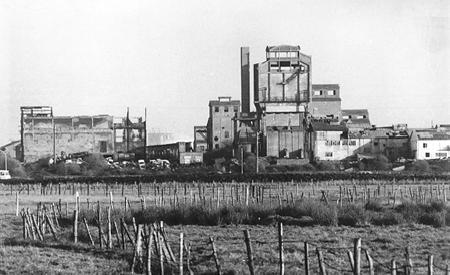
284 143
66 134
322 109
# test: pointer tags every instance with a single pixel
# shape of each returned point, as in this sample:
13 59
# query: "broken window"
216 109
225 109
236 109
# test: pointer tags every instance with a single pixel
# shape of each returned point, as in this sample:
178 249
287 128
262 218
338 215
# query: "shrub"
327 165
374 205
351 215
387 218
14 166
421 166
436 219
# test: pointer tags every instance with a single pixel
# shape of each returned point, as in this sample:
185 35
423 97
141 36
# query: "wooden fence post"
109 236
321 263
249 252
137 248
149 252
75 226
280 247
409 264
181 253
306 259
88 231
369 259
99 225
216 259
357 255
17 204
430 265
393 267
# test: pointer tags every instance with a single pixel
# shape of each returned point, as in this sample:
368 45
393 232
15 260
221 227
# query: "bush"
421 166
374 205
351 215
436 219
327 165
387 218
14 166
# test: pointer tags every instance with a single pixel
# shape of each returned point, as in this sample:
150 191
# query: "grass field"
63 257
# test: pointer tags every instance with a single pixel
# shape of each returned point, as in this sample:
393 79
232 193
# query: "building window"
331 92
328 154
425 145
216 138
216 146
227 134
427 155
236 109
216 109
316 93
441 155
225 109
103 147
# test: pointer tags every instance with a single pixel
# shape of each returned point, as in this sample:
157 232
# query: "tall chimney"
245 79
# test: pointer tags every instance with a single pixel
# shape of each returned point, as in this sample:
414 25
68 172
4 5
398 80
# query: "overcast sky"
89 57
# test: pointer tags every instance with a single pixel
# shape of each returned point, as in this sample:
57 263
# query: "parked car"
4 175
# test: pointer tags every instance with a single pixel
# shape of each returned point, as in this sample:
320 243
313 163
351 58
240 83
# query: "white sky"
86 57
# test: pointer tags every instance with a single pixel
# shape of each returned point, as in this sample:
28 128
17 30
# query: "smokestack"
245 79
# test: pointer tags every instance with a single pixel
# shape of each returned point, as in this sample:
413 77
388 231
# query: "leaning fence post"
430 265
88 231
280 247
75 226
321 263
306 259
357 255
369 259
216 259
137 248
149 252
249 252
351 260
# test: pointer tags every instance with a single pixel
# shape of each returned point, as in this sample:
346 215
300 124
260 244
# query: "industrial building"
325 102
45 135
220 126
200 138
282 91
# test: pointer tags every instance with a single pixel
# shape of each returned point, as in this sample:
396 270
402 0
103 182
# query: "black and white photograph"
225 137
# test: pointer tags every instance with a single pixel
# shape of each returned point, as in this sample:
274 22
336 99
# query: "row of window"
226 109
438 155
322 92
